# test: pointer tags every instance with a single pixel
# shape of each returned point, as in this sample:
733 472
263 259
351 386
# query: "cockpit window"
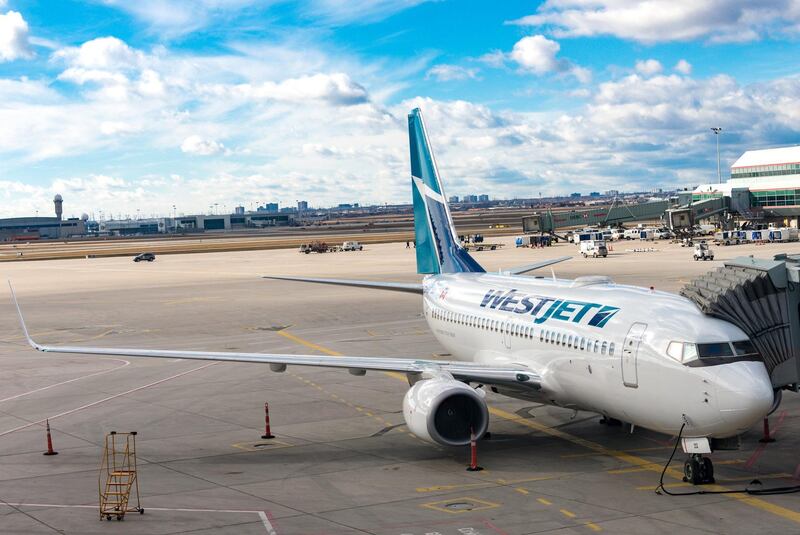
744 347
712 354
719 349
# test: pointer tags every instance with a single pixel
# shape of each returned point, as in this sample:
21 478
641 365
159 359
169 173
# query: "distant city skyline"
118 105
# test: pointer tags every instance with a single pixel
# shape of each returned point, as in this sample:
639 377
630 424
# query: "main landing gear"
698 470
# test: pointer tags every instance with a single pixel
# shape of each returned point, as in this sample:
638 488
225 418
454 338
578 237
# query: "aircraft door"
506 333
630 351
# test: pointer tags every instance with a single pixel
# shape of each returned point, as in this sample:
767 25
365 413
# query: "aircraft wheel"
691 471
708 470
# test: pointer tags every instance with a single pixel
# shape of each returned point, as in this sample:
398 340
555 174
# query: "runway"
342 461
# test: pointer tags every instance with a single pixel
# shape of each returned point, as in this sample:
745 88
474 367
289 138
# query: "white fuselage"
601 347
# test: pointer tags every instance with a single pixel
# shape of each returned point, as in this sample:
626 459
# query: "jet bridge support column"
761 297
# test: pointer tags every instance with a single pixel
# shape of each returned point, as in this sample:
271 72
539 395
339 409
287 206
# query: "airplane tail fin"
438 247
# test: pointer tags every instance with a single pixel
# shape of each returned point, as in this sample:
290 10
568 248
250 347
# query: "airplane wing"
530 267
409 287
519 376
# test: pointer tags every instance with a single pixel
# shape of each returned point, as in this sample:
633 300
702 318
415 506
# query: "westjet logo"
546 308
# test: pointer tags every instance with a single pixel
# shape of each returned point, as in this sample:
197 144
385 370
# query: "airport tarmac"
342 461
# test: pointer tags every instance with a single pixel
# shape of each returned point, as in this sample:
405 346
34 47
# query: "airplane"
631 354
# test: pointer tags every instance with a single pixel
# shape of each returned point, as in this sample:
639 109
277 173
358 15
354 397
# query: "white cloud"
582 74
649 67
683 67
177 17
14 42
495 58
108 53
363 11
536 53
446 73
201 147
667 20
337 88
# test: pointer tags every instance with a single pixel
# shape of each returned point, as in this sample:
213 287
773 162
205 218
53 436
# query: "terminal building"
193 223
37 228
766 181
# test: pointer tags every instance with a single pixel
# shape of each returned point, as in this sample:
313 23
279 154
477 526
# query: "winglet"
33 344
538 265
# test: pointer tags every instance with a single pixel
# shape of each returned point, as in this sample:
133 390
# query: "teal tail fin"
438 247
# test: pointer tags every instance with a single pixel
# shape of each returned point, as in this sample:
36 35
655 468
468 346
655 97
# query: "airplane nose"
744 393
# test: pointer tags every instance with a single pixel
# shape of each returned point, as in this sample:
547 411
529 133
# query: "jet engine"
445 411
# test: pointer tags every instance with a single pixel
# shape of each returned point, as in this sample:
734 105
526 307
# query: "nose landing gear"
698 470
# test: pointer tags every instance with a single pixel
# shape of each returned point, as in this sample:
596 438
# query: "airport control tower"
58 201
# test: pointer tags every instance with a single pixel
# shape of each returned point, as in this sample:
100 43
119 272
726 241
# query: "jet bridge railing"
761 297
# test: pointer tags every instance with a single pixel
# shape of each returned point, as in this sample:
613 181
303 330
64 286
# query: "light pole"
717 130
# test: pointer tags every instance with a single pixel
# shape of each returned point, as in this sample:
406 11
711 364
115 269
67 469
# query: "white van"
631 234
594 248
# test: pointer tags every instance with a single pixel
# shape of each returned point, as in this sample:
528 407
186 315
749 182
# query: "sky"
186 106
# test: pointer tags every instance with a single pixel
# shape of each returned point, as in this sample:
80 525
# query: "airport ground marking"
659 466
439 488
544 501
109 398
567 513
262 515
623 456
522 491
632 450
126 363
738 479
441 505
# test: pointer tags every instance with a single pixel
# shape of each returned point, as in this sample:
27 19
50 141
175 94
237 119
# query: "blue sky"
123 106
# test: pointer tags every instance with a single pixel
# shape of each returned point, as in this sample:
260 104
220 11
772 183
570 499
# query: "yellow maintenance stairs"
117 479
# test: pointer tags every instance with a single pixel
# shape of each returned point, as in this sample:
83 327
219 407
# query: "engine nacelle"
444 411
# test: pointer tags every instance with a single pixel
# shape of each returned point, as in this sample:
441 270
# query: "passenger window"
558 339
611 348
583 343
603 348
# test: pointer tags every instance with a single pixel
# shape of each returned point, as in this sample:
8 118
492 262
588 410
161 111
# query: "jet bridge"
684 217
550 221
761 297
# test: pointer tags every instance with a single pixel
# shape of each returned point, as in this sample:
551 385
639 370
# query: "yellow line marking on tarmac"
438 488
726 480
594 527
634 450
524 480
623 456
568 514
522 491
660 466
544 501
